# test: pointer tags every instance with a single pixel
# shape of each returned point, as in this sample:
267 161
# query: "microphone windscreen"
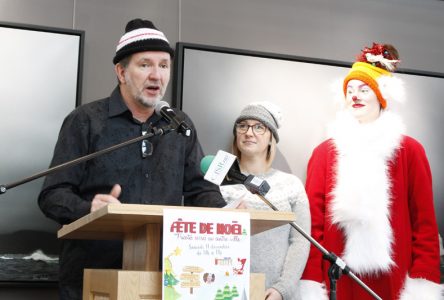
205 163
159 106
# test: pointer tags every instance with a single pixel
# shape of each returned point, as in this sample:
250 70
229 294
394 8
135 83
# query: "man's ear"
120 72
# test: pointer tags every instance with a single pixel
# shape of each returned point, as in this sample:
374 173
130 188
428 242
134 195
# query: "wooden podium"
139 226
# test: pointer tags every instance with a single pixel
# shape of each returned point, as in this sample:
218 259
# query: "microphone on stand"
164 110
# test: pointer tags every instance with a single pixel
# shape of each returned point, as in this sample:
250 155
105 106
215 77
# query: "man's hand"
101 200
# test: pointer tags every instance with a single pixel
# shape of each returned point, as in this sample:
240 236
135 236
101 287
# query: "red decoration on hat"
380 55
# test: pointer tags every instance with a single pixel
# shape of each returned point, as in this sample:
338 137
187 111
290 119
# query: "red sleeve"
425 243
316 191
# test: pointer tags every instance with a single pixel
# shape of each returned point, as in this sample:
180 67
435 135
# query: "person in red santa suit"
370 192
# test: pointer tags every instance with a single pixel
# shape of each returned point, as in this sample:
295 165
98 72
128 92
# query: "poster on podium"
206 255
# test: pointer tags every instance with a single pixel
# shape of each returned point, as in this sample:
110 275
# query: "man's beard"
147 102
139 97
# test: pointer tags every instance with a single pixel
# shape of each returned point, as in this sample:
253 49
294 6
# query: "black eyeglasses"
257 128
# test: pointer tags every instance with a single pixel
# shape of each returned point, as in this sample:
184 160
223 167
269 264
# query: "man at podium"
162 170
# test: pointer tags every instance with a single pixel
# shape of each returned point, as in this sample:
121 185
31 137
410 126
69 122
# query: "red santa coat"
371 203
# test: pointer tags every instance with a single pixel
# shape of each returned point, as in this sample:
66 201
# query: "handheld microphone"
223 169
163 109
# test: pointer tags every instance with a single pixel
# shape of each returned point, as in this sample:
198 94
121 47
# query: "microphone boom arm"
226 166
154 131
337 266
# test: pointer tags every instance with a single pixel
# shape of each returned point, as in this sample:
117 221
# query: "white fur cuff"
312 290
418 288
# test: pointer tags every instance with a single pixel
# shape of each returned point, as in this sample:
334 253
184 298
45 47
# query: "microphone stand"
337 265
153 132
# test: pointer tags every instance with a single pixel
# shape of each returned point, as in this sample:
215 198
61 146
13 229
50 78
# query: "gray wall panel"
104 23
320 28
55 13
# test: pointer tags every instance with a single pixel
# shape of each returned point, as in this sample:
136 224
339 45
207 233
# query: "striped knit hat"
141 35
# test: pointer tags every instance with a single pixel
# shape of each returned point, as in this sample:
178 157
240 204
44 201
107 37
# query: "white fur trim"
336 89
418 288
361 197
392 89
312 290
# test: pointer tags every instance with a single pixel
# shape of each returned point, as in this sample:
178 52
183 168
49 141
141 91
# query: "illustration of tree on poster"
206 255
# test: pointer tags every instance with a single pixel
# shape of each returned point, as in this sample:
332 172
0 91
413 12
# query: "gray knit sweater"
280 253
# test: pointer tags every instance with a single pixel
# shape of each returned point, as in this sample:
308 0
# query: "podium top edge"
116 217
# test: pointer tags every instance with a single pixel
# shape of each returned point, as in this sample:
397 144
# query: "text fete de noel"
180 226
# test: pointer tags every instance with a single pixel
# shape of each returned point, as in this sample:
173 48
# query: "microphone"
223 169
164 110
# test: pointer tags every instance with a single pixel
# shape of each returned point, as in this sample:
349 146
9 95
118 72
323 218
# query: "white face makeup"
362 101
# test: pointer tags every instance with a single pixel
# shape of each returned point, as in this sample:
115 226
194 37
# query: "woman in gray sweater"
280 253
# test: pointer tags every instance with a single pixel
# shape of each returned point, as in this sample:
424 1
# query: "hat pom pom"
392 88
273 109
139 23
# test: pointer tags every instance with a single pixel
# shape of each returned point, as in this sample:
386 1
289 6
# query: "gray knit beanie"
266 112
